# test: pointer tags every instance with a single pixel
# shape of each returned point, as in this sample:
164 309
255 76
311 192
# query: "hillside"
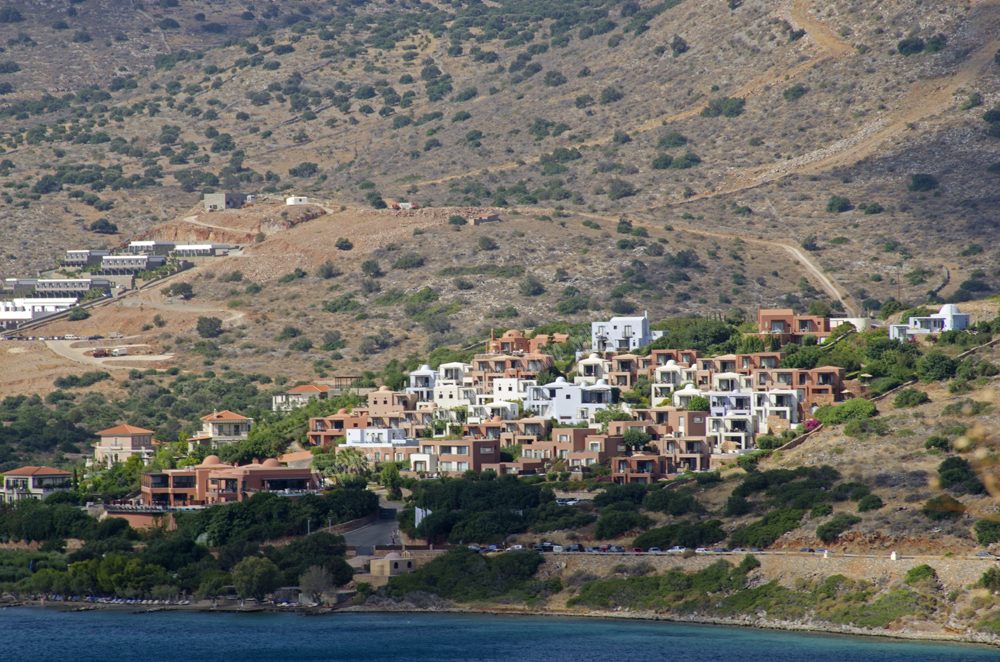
505 105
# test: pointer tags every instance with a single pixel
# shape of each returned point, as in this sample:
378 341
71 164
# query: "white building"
783 403
592 369
622 334
299 396
422 381
511 388
949 318
149 247
730 426
668 378
566 402
487 407
200 250
20 311
683 397
33 483
296 200
383 436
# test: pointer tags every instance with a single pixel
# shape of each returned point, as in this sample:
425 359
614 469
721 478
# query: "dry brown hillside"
458 105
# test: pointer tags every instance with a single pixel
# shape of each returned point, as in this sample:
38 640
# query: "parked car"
516 548
475 548
756 550
986 554
823 550
636 550
739 550
593 549
677 549
654 550
808 550
720 550
616 549
575 547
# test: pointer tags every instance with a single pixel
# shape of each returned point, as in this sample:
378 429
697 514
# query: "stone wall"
785 568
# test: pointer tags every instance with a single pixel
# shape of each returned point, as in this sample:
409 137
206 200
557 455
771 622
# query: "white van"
119 351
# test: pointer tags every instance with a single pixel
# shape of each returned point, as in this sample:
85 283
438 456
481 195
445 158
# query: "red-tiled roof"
224 415
124 429
36 471
309 388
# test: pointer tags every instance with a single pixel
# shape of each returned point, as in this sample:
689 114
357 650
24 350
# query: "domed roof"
341 411
513 333
384 389
270 462
211 460
392 556
671 363
949 309
496 419
560 380
593 355
601 382
425 368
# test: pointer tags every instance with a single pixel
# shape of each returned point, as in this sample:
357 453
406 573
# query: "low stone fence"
785 568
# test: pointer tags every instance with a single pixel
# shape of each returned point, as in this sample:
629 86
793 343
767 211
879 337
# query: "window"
486 450
698 419
595 447
628 330
563 437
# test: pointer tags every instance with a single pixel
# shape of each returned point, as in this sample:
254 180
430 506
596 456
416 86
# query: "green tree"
608 414
316 581
390 478
209 327
635 438
699 403
77 314
255 577
935 366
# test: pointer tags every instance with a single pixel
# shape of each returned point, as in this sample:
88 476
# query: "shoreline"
819 627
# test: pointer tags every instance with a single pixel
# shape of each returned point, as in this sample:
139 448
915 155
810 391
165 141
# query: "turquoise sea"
46 635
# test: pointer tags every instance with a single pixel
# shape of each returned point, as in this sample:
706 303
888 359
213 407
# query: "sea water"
48 635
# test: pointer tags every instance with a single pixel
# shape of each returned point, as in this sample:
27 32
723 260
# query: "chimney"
215 413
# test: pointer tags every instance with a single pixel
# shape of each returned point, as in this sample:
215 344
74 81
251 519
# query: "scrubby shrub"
344 244
830 531
987 532
943 507
856 409
869 502
909 397
838 204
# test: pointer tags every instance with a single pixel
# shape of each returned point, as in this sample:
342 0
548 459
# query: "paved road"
379 532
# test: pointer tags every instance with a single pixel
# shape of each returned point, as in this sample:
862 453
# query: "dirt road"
74 350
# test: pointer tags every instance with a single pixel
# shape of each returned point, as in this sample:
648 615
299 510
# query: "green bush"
77 314
344 244
987 532
935 366
766 530
837 204
856 409
725 107
830 531
686 534
869 502
616 523
922 182
955 474
937 442
920 573
909 397
942 507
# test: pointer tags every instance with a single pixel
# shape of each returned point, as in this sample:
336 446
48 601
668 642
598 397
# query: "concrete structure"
526 431
643 468
488 407
214 482
392 564
33 483
222 427
591 369
84 257
669 377
200 250
327 431
54 287
488 367
567 402
131 264
299 396
486 218
515 342
119 443
296 200
380 444
422 381
220 201
149 247
454 457
622 334
512 389
625 369
788 327
21 311
949 318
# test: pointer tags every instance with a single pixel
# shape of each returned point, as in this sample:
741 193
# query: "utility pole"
308 526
